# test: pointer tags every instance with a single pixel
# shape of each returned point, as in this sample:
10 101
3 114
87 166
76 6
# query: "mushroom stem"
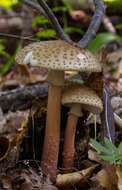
69 139
52 132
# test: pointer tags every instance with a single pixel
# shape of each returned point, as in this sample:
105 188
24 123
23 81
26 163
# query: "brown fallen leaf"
26 175
26 75
115 56
107 178
6 182
103 179
92 155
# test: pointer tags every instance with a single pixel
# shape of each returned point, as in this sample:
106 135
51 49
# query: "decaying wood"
23 97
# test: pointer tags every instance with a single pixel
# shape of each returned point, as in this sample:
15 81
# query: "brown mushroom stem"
52 131
69 139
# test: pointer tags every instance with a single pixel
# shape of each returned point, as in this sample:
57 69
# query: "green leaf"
110 145
109 152
109 158
39 20
120 147
120 151
46 34
119 26
76 81
59 9
99 148
7 3
71 29
102 39
68 5
7 66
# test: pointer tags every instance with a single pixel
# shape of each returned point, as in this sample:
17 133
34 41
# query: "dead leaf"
6 182
106 180
92 155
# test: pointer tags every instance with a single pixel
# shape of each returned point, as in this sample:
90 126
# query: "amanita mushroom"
57 56
77 98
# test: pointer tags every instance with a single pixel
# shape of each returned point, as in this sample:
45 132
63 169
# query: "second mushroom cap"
83 95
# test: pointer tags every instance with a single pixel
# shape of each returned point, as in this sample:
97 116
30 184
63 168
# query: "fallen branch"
23 97
106 21
18 37
94 25
54 21
44 9
36 6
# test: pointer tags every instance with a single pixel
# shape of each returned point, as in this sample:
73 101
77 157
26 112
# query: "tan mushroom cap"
83 95
58 55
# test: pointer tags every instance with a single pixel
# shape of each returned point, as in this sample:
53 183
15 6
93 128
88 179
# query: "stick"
107 116
94 25
36 6
106 21
18 37
47 12
23 97
54 21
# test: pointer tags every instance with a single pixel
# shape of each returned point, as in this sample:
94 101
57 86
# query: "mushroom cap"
82 95
58 55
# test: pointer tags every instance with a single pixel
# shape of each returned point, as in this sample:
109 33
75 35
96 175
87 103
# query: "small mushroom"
57 56
77 98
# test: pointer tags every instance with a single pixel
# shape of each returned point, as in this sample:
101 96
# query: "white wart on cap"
85 96
59 55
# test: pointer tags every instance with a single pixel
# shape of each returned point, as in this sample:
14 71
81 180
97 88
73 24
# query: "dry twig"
36 6
94 25
46 11
18 37
106 21
22 97
54 21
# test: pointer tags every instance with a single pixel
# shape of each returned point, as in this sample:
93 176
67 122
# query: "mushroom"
57 56
77 98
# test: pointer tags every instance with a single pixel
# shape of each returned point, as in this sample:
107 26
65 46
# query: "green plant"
103 39
8 3
40 20
108 151
6 60
46 34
